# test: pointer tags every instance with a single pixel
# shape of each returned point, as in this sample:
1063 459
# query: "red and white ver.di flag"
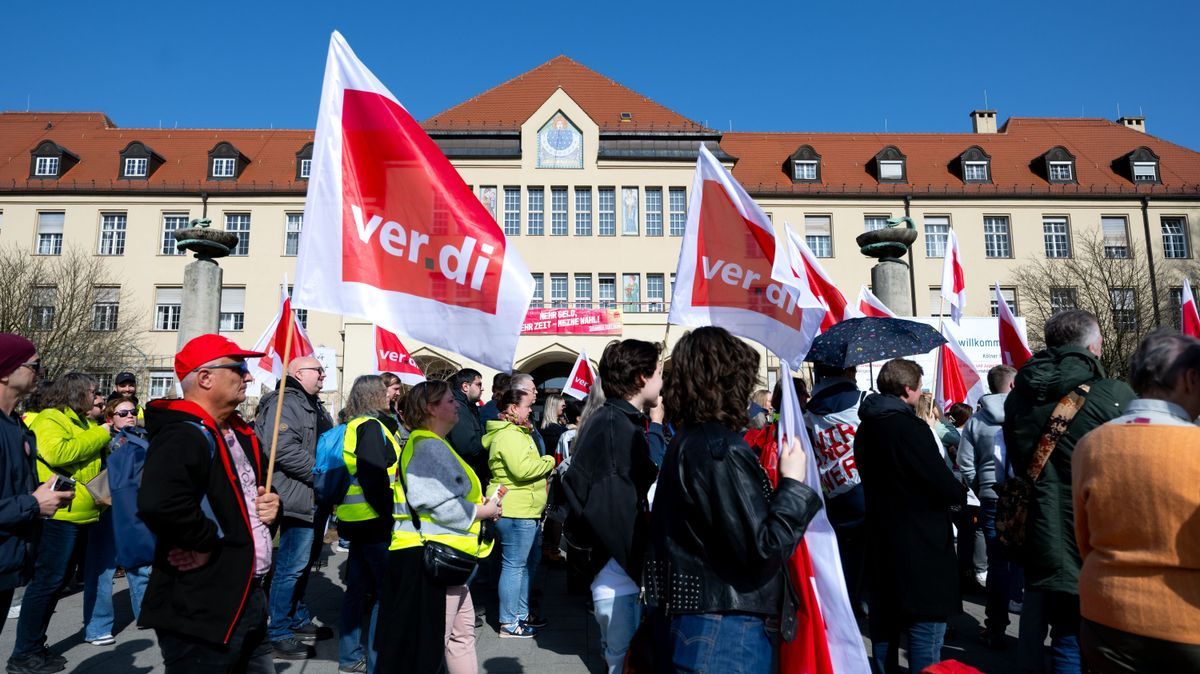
392 233
957 380
1014 350
268 369
871 306
724 273
391 356
799 268
954 284
1190 321
581 379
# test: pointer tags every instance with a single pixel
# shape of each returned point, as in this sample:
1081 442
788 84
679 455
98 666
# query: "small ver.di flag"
581 379
393 234
391 356
268 369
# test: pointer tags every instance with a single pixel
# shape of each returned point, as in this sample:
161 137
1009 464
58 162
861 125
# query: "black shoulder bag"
444 564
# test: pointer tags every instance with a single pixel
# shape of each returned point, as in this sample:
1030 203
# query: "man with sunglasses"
23 502
302 420
202 497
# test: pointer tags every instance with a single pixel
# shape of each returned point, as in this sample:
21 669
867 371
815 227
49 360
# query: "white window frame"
936 239
804 169
654 211
46 167
1054 240
106 308
607 223
583 211
1176 245
161 384
879 222
136 167
233 309
535 223
820 243
677 204
607 300
1010 296
170 223
293 225
1116 251
1065 171
167 313
50 234
583 291
558 211
1124 308
539 291
305 168
239 223
656 296
224 167
112 234
558 291
512 211
981 167
1151 177
997 236
891 169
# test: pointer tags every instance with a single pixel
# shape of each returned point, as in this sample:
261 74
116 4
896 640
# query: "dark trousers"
852 548
41 596
1107 650
247 651
5 604
412 617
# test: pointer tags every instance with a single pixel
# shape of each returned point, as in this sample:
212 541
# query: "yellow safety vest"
405 535
354 506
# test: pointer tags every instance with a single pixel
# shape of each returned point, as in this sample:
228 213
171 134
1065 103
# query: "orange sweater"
1137 522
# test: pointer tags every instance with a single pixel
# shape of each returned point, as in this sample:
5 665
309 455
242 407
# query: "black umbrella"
865 340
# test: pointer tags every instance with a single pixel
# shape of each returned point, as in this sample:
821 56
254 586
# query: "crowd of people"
665 494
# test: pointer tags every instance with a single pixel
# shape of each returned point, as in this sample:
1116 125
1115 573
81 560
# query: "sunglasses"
318 370
241 368
125 413
36 365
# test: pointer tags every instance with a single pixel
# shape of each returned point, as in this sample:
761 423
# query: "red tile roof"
846 160
508 105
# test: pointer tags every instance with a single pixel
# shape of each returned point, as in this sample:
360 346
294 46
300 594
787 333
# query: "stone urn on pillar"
200 312
890 276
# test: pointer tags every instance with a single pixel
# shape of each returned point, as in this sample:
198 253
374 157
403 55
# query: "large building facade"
591 181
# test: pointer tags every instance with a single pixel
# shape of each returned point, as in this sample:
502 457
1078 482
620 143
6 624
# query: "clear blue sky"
788 66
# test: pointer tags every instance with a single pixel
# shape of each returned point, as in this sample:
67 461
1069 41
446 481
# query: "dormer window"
1059 165
1142 166
225 162
304 162
1145 172
49 161
138 161
890 166
804 165
975 165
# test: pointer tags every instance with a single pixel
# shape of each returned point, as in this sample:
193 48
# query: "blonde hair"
550 410
926 406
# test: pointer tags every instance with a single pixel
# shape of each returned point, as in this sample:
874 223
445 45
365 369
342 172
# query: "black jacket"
720 536
909 491
20 525
203 603
606 486
302 420
376 457
467 437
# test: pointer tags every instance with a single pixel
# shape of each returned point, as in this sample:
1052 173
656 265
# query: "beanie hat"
14 350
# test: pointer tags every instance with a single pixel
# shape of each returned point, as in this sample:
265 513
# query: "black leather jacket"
720 535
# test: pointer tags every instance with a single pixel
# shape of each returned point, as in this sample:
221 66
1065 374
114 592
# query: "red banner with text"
572 322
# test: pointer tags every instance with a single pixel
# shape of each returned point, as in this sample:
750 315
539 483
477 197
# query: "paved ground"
570 644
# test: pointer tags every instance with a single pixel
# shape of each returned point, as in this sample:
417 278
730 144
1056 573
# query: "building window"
1175 238
583 211
224 167
608 211
233 309
608 291
301 314
937 234
172 222
305 168
1057 237
1062 299
975 171
135 167
112 234
162 384
655 288
936 303
167 308
538 292
558 211
239 223
1116 236
1010 296
50 232
631 292
512 211
654 211
818 234
41 308
874 222
46 167
536 225
583 291
291 233
996 241
105 307
891 170
1175 299
805 169
678 210
1124 308
1145 172
558 291
1061 172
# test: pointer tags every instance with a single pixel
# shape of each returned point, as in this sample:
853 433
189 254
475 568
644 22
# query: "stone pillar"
201 310
889 279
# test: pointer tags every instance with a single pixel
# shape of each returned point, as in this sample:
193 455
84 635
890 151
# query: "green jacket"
516 464
1051 555
74 448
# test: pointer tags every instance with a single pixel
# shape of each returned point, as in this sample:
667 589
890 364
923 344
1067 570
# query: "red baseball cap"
205 349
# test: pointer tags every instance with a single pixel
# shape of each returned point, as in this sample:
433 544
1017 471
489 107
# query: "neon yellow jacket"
73 447
515 463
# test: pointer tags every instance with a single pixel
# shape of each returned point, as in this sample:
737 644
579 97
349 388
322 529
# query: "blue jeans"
286 606
99 566
999 576
925 641
1062 614
41 595
520 548
618 619
365 568
721 643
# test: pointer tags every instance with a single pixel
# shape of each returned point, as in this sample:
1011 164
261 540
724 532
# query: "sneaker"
342 546
52 656
517 630
34 663
312 633
981 578
535 621
360 666
478 620
291 649
106 640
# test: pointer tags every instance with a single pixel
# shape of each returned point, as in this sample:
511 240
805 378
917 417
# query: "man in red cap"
202 496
